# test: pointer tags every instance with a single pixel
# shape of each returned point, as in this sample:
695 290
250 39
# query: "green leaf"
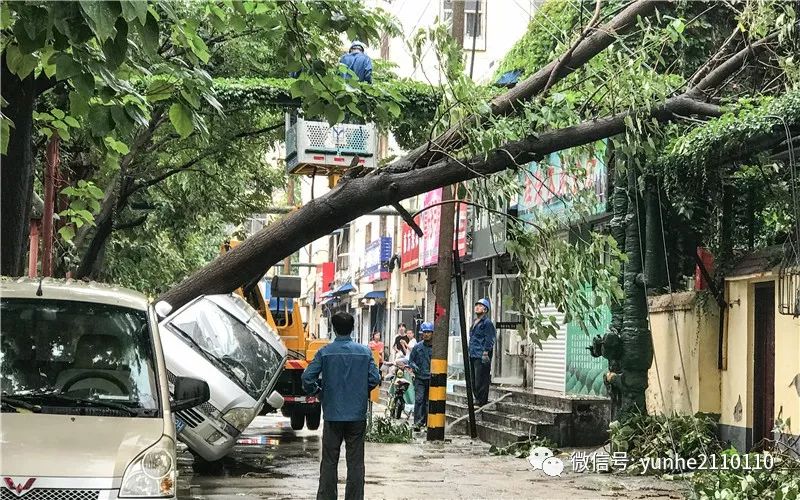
20 64
78 105
66 233
94 191
134 9
84 83
5 16
122 122
118 146
101 16
160 90
5 134
150 34
66 67
72 122
100 123
333 114
58 113
181 118
116 49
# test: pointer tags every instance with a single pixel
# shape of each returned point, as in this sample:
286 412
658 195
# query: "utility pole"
437 396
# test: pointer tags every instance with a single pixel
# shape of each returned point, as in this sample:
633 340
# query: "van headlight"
152 473
240 417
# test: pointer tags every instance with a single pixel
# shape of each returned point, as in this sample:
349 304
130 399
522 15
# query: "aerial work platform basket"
317 148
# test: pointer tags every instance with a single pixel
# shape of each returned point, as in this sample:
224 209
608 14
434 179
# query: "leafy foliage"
780 482
700 165
387 430
660 436
522 449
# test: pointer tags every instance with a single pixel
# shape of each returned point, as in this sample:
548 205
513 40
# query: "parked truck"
276 302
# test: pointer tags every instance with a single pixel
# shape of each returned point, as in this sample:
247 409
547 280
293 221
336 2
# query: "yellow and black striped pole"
437 396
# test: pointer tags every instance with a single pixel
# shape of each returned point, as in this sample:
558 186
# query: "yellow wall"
737 378
685 338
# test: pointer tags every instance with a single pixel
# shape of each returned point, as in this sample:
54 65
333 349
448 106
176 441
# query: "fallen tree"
356 195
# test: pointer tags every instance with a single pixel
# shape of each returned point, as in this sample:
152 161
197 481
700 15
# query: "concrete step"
537 413
496 434
537 397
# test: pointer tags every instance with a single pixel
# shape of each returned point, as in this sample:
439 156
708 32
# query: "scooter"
398 404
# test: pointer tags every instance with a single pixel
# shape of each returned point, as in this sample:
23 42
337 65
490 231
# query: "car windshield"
75 355
231 345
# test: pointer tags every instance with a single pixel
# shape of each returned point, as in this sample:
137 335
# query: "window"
472 32
368 235
230 345
383 227
73 355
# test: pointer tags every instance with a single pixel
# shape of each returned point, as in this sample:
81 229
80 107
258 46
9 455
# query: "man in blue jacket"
420 361
348 372
358 62
481 345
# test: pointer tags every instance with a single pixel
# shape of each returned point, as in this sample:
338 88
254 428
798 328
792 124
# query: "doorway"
764 362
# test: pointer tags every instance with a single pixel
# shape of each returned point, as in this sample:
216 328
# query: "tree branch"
566 57
130 224
507 103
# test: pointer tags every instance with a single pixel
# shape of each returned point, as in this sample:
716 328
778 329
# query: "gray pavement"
273 461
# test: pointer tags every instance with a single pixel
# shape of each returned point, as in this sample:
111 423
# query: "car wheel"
313 418
298 419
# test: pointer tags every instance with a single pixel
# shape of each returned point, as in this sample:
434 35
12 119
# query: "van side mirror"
189 392
275 400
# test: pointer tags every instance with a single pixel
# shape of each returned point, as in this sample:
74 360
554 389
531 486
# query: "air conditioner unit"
318 148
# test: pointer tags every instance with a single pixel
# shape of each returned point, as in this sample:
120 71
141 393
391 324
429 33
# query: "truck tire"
298 419
313 417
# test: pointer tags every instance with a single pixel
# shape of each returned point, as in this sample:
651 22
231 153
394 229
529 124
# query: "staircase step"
498 435
533 412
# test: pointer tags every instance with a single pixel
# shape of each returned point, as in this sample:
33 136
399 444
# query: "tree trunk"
655 266
16 177
637 346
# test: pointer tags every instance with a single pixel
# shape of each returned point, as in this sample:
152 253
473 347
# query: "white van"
224 340
85 401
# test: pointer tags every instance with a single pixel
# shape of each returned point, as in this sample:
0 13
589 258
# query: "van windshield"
70 357
231 345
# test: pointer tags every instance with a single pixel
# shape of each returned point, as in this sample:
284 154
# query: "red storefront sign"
325 272
424 251
409 248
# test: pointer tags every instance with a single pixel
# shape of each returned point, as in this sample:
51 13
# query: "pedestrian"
376 344
400 345
358 62
410 340
342 374
481 347
420 362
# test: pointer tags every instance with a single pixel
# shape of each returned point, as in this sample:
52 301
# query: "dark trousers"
421 388
333 433
481 378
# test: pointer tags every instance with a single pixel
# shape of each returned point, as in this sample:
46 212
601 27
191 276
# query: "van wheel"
298 419
202 466
313 418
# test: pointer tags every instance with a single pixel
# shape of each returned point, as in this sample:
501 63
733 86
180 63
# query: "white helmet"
358 45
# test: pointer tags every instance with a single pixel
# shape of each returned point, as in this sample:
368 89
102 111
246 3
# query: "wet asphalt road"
269 458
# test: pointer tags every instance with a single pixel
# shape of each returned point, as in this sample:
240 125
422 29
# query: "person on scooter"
420 362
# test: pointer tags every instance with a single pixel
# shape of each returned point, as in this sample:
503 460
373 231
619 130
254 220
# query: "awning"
346 288
375 295
327 300
326 294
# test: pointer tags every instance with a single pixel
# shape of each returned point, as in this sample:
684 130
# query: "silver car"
224 341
